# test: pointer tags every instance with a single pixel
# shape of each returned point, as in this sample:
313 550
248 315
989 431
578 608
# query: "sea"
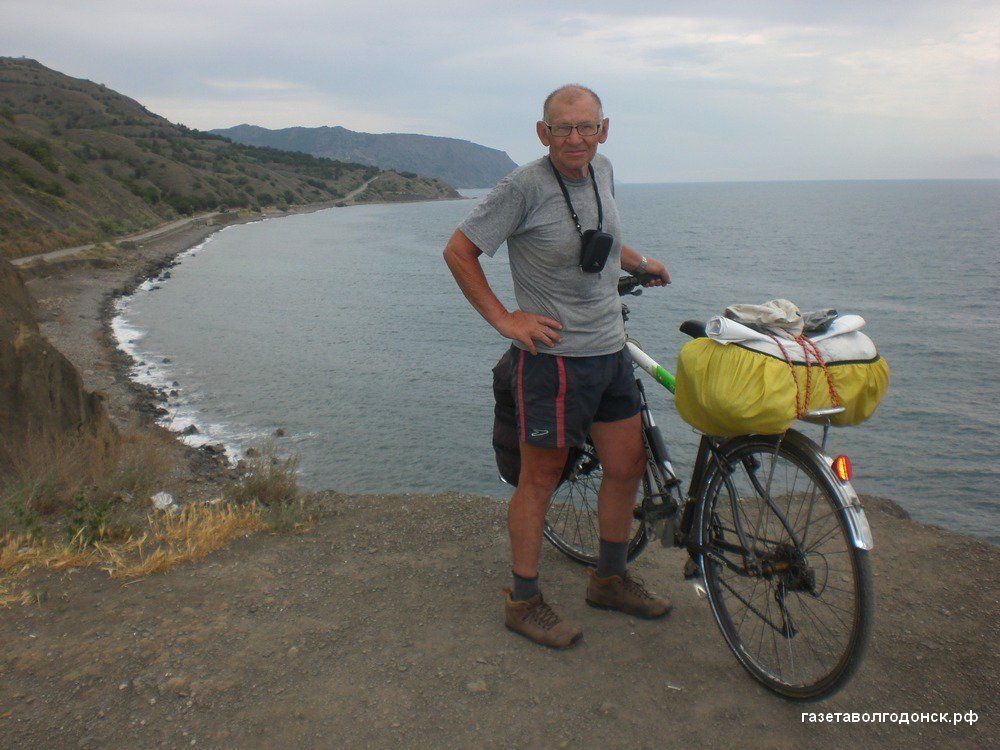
343 331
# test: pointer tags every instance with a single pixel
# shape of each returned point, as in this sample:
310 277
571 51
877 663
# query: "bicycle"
779 541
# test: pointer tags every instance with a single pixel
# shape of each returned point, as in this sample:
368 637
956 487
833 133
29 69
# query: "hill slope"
457 162
79 162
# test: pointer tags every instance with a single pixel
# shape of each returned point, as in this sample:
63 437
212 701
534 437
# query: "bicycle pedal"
691 569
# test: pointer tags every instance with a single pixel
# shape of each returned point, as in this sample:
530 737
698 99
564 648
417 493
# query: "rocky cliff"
41 391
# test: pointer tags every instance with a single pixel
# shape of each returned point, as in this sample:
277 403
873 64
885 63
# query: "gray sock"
524 588
612 559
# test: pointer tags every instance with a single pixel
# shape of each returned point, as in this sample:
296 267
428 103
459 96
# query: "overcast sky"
695 90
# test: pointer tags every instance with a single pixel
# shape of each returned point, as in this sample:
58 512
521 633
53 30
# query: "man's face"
572 153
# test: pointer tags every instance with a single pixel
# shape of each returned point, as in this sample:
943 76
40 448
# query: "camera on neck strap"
595 244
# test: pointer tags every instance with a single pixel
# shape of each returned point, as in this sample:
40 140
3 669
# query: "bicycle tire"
571 517
842 631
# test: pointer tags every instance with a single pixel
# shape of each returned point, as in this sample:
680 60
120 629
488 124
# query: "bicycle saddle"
693 328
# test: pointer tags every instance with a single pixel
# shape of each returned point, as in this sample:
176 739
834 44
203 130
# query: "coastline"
78 302
150 400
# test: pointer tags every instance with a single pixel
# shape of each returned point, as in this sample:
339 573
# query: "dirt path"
375 628
205 219
358 191
150 234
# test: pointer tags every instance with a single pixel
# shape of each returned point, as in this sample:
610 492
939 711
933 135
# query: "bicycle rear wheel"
571 519
790 592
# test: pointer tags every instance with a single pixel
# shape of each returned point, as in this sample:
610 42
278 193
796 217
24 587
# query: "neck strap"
569 203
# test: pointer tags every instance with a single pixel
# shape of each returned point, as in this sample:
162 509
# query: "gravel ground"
381 626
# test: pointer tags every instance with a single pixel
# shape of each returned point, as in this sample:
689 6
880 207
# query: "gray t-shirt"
527 210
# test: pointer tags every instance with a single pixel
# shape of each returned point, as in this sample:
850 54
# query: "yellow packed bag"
753 387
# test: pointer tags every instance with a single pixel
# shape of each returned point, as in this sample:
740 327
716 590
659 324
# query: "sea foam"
149 369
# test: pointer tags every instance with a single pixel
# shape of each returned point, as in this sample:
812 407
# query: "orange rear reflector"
842 468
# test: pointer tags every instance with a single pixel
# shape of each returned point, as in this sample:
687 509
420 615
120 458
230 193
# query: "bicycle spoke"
774 643
833 608
811 503
823 538
820 627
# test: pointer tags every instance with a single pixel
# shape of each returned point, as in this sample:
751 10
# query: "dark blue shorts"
557 398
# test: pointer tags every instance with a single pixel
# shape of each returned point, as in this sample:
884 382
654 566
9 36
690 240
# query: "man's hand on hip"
527 328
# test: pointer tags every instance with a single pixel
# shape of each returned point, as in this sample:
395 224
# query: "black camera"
595 249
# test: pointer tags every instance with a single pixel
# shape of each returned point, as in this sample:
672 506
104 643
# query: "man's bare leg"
619 446
623 459
529 614
541 469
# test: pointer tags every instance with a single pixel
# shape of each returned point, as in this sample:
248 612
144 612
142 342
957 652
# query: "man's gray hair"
575 87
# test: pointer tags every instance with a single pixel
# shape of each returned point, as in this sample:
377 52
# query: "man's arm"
631 261
462 257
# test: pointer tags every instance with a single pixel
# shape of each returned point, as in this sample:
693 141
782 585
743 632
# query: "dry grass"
20 553
186 536
94 482
11 596
48 473
268 479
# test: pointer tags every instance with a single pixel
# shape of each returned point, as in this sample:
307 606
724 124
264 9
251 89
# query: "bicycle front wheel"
790 592
571 519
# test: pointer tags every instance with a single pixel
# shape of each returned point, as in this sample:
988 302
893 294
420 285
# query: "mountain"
457 162
80 162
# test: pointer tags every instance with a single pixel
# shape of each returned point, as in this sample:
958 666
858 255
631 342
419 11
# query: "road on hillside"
157 231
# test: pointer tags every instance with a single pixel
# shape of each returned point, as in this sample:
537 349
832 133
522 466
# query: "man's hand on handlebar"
527 327
659 273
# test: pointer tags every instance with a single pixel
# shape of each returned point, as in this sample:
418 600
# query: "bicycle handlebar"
627 284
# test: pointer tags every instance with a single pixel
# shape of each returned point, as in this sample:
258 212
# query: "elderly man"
572 374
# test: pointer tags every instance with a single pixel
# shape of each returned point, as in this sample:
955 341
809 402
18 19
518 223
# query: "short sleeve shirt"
527 210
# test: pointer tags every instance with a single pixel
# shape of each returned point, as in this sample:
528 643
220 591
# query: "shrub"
20 521
88 520
272 483
37 148
110 227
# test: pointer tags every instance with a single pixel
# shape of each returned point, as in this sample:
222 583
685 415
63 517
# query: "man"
572 374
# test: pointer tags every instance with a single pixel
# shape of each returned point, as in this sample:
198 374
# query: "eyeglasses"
584 128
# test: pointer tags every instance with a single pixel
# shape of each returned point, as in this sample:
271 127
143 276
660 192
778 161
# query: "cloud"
262 85
694 88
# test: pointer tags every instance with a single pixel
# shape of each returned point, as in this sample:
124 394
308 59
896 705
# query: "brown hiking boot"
628 594
537 621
